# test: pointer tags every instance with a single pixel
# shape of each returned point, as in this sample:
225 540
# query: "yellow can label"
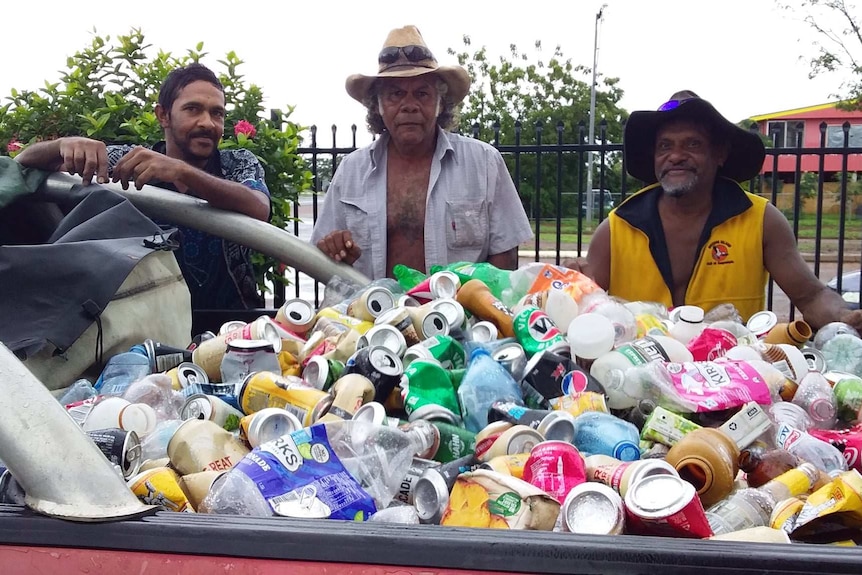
160 486
359 325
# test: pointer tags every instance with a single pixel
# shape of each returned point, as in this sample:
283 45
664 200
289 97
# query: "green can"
455 442
429 393
321 372
848 395
536 332
444 348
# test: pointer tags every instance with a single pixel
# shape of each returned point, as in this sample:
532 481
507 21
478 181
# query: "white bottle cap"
690 314
591 335
138 417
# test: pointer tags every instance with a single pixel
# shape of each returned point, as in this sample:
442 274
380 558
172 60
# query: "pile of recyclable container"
479 397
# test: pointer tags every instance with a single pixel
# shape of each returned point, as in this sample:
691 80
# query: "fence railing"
545 169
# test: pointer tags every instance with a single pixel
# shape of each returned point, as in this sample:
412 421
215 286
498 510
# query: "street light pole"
592 134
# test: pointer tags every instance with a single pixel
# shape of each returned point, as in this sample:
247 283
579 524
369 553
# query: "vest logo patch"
720 252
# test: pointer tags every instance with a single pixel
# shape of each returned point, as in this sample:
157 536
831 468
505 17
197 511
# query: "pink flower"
14 146
244 127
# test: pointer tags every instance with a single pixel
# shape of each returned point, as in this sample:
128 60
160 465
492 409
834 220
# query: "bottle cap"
627 451
138 417
760 323
690 314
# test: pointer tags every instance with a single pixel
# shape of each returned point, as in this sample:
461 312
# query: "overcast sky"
742 55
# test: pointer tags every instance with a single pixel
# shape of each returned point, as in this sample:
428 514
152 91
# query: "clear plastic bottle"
830 330
485 382
604 434
843 353
307 483
156 391
610 368
689 323
121 371
815 396
78 391
752 507
808 448
623 320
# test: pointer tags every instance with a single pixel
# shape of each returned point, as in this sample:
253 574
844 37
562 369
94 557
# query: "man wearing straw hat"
419 195
693 235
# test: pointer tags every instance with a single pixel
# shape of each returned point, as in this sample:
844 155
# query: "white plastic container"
689 323
591 335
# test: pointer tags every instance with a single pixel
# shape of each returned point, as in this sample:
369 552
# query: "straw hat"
746 150
405 55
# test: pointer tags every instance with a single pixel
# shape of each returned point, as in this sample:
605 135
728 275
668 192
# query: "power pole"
592 138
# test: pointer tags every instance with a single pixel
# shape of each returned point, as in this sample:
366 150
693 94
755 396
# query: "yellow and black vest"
729 266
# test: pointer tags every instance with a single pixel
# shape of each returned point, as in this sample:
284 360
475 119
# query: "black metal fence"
544 166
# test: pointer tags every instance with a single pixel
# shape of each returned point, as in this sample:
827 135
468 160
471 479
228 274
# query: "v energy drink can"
380 365
536 332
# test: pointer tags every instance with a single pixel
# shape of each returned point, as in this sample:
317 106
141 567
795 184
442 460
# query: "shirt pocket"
356 216
466 224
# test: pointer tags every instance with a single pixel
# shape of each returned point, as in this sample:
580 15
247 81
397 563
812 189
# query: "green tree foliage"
109 90
838 43
550 98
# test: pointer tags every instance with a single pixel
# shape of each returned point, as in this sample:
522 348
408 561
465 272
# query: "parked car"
601 198
849 286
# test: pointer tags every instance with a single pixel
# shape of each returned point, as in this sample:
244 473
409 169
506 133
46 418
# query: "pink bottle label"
718 385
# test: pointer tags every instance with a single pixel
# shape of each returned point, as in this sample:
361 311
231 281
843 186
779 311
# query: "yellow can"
160 486
508 464
353 323
263 389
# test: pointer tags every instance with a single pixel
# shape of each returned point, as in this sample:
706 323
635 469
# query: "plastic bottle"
407 277
808 448
744 336
337 291
708 459
794 333
843 353
301 473
724 312
156 391
790 414
121 371
610 368
478 299
752 507
561 308
78 391
485 382
623 320
761 465
591 335
815 396
602 433
830 330
689 323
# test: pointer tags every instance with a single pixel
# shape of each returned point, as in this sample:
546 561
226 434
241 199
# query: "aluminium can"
212 408
268 424
266 389
407 486
444 284
667 505
380 365
371 303
511 356
187 375
296 315
593 508
320 372
384 335
122 448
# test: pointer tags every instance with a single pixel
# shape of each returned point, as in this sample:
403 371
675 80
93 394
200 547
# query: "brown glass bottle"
762 466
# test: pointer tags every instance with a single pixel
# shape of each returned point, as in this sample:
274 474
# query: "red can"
555 467
665 505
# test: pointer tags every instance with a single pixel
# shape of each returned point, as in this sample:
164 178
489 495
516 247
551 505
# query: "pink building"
786 126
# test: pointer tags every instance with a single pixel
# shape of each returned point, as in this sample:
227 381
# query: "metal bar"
559 222
196 213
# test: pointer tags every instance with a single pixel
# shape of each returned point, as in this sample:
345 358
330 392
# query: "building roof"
799 112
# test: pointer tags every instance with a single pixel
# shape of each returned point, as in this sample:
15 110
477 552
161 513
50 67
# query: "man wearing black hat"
693 235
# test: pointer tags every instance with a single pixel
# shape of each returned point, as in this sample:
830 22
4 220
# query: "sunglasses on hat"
413 53
670 105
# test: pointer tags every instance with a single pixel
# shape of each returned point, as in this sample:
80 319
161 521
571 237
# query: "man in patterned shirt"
191 110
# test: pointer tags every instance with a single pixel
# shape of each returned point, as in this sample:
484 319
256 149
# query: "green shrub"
108 92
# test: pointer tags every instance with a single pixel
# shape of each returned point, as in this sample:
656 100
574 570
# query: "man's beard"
679 189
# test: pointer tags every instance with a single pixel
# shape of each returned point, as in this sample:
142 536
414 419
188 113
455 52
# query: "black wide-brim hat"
745 149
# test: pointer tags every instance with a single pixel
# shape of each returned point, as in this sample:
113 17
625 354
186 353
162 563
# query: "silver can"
407 487
384 335
450 308
444 284
484 331
815 359
270 423
760 323
215 409
594 509
512 357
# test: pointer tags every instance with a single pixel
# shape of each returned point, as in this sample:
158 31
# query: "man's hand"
339 246
580 265
143 166
852 318
84 157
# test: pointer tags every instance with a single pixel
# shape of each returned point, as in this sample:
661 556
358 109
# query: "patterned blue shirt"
219 273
